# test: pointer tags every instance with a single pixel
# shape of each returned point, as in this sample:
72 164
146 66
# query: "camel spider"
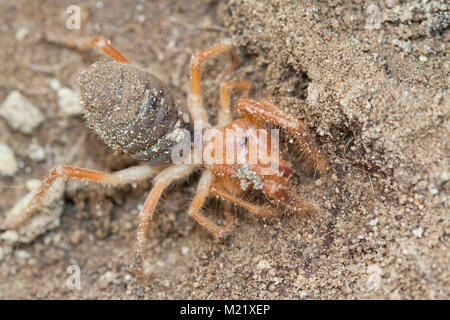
134 113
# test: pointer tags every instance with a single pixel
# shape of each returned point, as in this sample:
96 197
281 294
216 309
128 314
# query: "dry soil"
370 83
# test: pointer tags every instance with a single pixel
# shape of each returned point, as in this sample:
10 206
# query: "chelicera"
134 113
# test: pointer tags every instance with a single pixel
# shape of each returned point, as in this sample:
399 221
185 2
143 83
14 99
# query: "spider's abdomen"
132 111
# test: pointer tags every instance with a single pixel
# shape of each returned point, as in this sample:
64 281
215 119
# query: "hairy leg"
194 104
285 195
160 182
218 190
268 112
277 187
101 43
201 194
117 178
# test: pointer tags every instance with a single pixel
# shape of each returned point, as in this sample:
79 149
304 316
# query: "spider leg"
194 103
267 111
219 191
117 178
101 43
276 187
283 194
201 194
105 46
225 92
161 182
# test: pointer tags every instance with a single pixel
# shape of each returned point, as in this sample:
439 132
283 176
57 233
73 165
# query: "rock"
418 232
68 101
10 236
4 252
33 184
128 278
76 236
8 163
35 152
22 254
54 84
263 265
184 250
45 217
106 279
21 33
405 45
20 113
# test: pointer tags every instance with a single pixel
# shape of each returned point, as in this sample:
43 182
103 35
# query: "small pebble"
36 152
46 217
68 102
22 254
33 184
423 58
139 291
5 251
303 295
128 278
263 264
160 264
391 3
141 18
299 281
8 163
76 236
21 33
54 84
418 232
10 236
405 45
184 250
106 279
20 113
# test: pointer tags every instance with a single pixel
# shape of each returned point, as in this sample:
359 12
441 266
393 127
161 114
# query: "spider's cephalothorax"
132 112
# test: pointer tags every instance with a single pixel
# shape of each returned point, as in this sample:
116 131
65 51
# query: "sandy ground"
374 92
